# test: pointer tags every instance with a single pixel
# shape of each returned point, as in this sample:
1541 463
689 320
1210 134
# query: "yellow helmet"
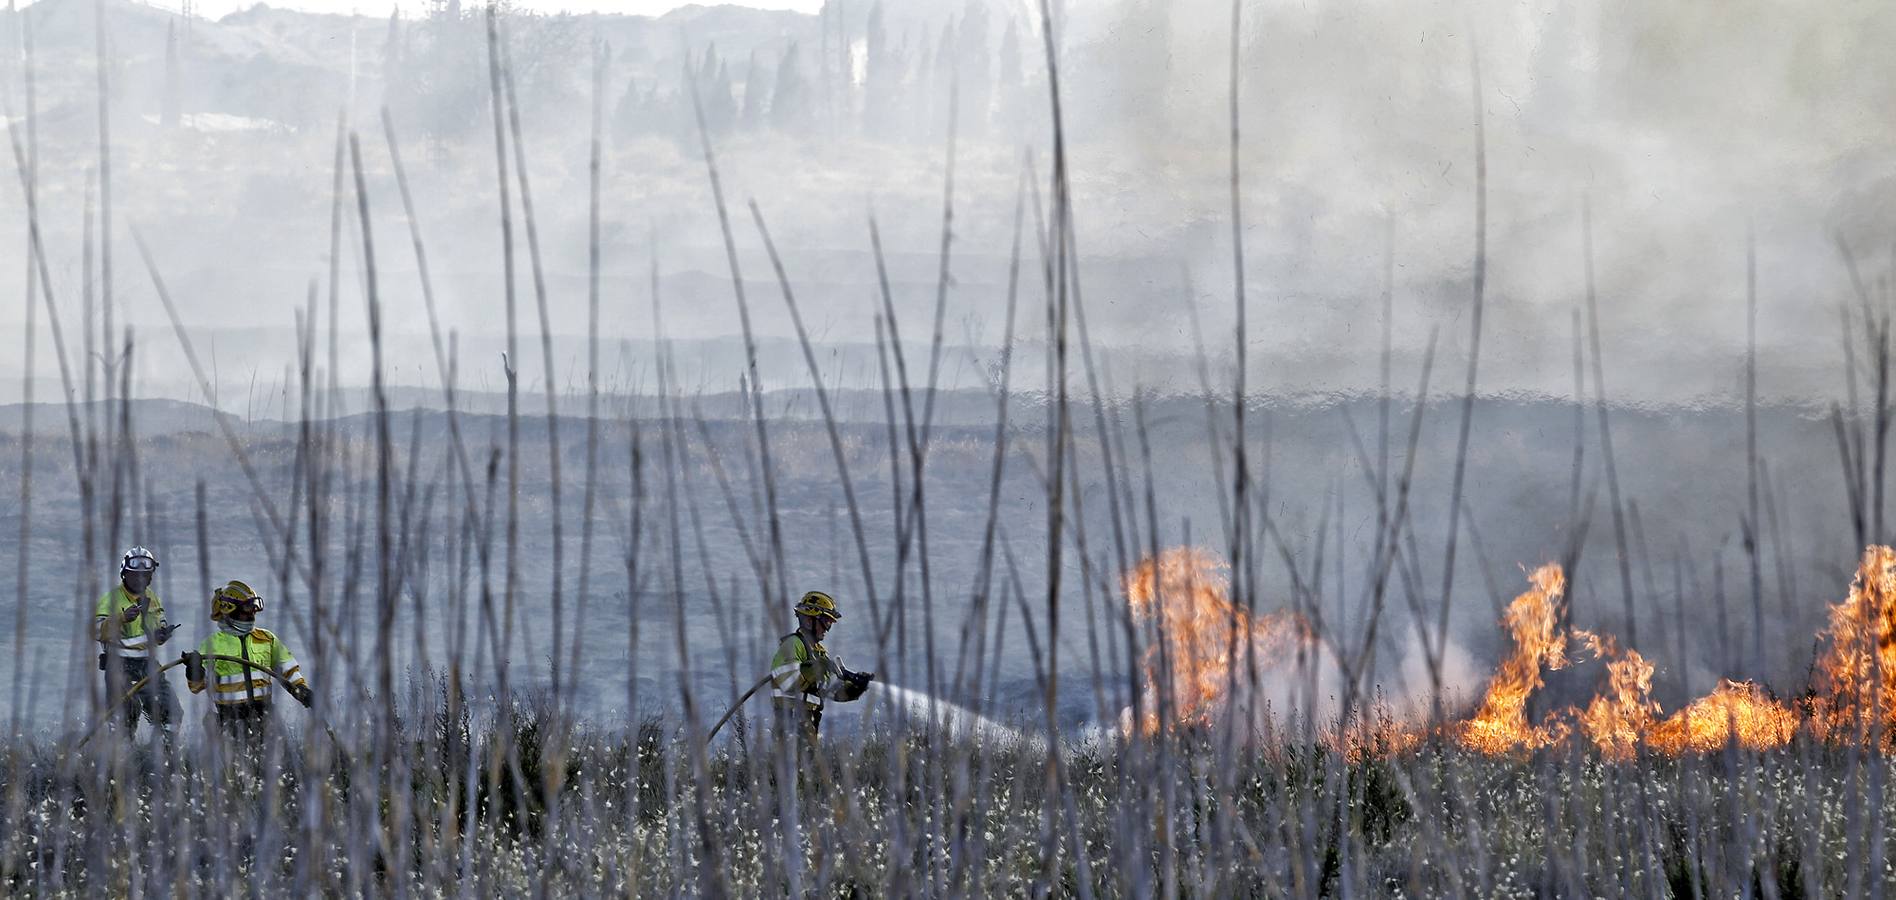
233 597
819 604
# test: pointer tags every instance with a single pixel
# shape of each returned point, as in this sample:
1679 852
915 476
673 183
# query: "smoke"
1414 694
1682 126
1313 684
1212 663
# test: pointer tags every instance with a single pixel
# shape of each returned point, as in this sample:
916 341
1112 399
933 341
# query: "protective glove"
164 634
854 683
303 694
134 611
194 666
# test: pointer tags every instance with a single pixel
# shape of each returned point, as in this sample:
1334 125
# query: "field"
523 804
1145 621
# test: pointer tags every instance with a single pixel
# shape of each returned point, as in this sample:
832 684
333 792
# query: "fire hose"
140 685
859 680
736 706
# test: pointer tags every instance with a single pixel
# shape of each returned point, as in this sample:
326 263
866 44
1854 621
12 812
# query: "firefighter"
129 622
243 693
803 674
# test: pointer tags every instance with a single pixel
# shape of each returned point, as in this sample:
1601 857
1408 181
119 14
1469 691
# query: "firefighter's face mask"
136 580
817 625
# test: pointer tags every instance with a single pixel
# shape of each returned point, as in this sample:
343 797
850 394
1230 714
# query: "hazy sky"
218 8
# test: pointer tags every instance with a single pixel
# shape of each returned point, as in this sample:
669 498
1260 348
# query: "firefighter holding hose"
243 692
129 622
803 674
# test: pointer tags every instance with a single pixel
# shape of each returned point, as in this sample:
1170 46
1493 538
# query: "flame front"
1190 672
1617 719
1501 725
1857 672
1736 710
1202 635
1622 717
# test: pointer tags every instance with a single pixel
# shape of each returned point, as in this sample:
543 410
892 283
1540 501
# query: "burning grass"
1852 698
1204 637
1205 644
1500 723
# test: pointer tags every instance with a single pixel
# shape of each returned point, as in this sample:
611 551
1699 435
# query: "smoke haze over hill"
1359 140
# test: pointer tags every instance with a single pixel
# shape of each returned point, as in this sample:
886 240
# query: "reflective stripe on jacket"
236 683
132 638
800 671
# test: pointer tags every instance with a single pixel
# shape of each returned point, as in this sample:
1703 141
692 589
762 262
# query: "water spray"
952 717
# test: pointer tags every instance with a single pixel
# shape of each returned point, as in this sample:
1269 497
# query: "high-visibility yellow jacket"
131 638
237 683
803 672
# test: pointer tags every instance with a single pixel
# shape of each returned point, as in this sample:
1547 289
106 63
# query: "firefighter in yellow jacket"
803 674
243 692
129 623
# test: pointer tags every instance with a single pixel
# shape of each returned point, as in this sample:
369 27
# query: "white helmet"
138 559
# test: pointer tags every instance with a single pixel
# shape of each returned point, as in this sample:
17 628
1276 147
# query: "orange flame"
1852 699
1202 635
1856 675
1500 724
1616 720
1622 717
1736 710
